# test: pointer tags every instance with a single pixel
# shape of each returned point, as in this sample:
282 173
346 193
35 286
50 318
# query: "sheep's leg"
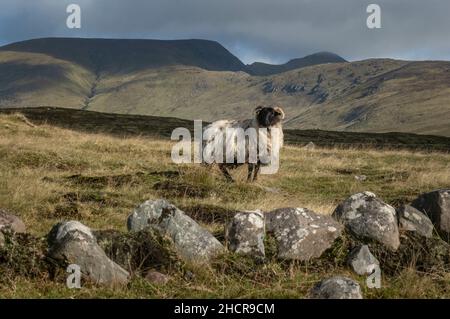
257 167
251 167
225 172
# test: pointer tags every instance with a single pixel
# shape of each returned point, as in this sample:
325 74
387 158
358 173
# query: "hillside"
202 80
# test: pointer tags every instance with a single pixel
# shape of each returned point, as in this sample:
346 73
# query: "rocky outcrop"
245 234
436 205
73 243
300 233
192 242
337 288
368 217
410 219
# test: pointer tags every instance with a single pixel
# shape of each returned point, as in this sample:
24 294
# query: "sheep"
258 149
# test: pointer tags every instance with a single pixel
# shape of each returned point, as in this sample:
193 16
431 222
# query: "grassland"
48 174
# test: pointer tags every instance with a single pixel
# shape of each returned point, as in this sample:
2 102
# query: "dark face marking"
268 116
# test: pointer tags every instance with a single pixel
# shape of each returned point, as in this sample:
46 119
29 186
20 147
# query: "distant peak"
259 68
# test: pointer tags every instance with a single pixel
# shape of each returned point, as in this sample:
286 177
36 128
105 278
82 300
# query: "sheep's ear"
280 110
258 109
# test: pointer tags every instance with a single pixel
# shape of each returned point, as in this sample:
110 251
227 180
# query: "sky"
271 31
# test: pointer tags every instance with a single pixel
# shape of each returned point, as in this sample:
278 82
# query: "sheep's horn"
258 109
280 110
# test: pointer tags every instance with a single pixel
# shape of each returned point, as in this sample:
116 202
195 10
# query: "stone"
411 219
337 288
362 261
245 234
436 205
12 222
368 217
73 243
157 278
310 146
300 233
2 240
193 243
360 178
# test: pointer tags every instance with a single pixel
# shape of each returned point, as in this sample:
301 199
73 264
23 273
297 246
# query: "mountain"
124 55
375 95
259 68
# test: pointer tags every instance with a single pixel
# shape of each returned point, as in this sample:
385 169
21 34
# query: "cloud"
273 31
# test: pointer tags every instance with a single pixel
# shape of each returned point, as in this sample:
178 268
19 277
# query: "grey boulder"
192 242
436 205
73 243
362 261
411 219
337 288
245 234
11 222
300 233
368 217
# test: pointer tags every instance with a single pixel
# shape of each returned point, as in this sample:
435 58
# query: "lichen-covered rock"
337 288
300 233
192 242
362 261
73 243
12 222
75 229
368 217
436 205
245 234
410 219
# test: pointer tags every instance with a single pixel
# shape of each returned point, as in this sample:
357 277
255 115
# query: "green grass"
48 174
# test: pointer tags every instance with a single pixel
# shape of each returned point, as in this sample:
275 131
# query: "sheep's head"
269 116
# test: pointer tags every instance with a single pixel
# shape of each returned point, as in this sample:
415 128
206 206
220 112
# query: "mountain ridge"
157 53
138 53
